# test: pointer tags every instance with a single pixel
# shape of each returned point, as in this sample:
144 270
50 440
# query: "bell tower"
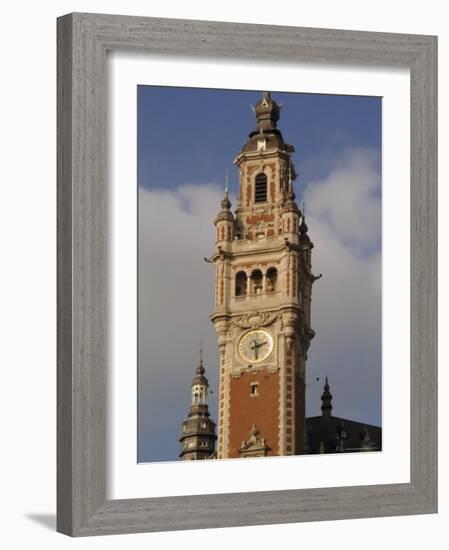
263 284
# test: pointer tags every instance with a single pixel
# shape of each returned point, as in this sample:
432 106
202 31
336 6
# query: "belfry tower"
262 300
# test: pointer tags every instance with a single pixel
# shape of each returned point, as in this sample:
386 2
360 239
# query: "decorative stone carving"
367 443
255 446
263 210
256 320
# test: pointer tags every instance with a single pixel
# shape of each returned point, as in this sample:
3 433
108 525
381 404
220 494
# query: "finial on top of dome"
267 112
200 368
226 203
303 229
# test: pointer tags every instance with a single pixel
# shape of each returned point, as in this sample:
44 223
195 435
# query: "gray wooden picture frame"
83 40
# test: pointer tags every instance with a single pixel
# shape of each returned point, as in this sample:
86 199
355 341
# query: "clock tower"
263 284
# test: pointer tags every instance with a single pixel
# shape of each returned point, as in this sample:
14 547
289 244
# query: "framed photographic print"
247 270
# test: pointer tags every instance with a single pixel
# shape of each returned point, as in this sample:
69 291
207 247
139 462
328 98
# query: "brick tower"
262 300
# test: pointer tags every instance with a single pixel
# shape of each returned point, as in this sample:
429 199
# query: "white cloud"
344 219
348 200
176 295
175 300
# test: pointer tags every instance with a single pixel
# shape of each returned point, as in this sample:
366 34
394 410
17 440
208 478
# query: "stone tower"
262 300
198 430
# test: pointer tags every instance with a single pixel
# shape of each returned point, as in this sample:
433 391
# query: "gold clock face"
255 346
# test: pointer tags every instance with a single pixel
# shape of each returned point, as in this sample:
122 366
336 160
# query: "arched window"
261 188
256 281
202 395
241 282
272 277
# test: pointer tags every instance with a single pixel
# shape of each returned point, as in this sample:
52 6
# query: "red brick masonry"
262 410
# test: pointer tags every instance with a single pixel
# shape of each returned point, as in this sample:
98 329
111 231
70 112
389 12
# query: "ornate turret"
224 222
290 210
326 398
289 203
198 430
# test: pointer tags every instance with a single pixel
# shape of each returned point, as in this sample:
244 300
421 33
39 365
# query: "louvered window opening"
261 188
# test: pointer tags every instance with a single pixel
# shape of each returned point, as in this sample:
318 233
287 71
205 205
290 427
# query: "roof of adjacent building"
331 434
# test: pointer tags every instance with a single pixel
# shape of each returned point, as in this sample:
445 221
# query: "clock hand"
259 344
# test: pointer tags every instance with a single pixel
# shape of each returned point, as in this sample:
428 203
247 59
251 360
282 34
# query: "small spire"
266 96
226 203
303 229
291 192
289 203
225 213
326 398
200 368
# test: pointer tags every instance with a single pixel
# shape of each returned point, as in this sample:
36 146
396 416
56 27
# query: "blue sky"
187 138
190 134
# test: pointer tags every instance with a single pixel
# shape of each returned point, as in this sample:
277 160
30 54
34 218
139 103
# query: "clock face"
255 346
